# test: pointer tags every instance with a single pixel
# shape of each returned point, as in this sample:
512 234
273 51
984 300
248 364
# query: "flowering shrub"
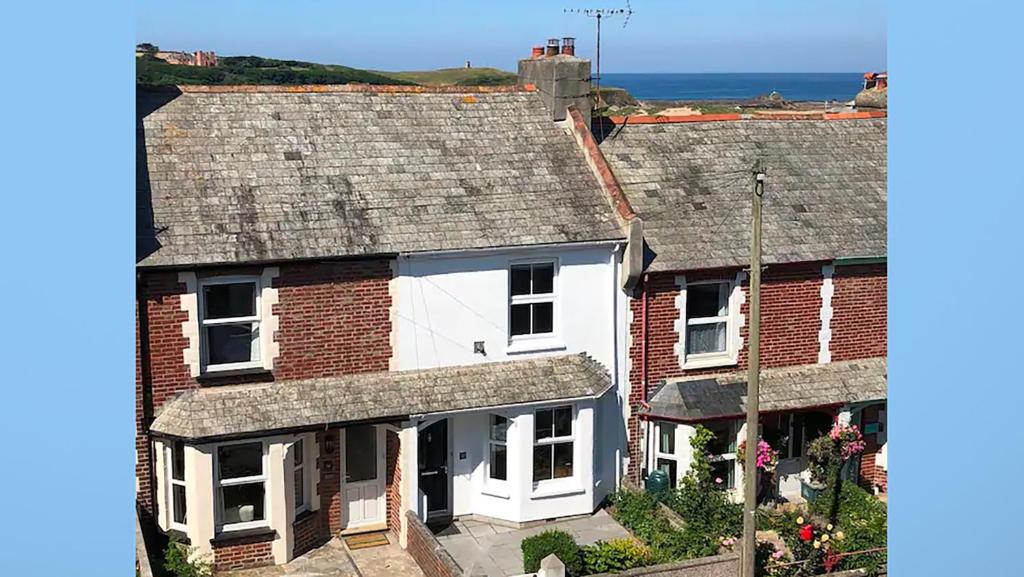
767 457
849 439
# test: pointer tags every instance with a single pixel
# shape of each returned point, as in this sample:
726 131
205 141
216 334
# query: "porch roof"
787 388
245 410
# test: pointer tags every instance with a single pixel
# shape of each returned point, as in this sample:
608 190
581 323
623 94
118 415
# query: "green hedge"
539 546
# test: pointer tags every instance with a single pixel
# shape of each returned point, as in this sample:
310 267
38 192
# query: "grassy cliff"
150 71
457 77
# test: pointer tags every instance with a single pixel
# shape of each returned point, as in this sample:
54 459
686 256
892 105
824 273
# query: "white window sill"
534 346
557 489
232 369
704 362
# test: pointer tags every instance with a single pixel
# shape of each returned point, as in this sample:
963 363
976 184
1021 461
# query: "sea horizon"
797 86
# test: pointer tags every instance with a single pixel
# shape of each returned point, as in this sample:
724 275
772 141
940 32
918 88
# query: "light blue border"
67 284
956 200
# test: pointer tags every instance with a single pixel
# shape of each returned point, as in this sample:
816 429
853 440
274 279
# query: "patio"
334 559
486 549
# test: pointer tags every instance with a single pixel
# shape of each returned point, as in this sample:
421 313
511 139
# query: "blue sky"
662 36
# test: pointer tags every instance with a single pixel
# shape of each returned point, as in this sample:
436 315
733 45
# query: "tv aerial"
599 14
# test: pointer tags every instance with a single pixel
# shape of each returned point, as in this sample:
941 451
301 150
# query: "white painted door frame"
379 521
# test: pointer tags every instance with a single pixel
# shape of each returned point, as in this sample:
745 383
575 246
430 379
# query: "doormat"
366 540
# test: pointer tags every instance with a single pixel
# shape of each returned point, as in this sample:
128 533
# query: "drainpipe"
643 366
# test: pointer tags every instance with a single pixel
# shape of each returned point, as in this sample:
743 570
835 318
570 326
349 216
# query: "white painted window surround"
730 314
554 449
177 503
262 318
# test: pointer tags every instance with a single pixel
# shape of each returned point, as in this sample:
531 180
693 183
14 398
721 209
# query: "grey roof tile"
241 410
690 182
786 388
255 176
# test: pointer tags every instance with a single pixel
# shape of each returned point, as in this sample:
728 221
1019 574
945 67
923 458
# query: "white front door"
362 477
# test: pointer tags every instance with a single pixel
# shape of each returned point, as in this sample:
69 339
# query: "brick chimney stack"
538 52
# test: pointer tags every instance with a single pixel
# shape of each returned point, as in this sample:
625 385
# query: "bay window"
301 480
497 449
175 459
241 485
229 323
722 452
665 451
553 444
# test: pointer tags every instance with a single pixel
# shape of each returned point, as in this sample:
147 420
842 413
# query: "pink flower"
777 555
718 480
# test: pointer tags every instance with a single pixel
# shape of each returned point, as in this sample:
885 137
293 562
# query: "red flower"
807 532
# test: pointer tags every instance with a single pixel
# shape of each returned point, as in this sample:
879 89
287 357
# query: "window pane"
499 428
563 421
299 451
723 470
520 280
543 279
360 453
669 466
178 461
543 318
520 320
542 428
499 462
725 438
229 300
240 460
178 496
563 460
703 300
300 487
229 344
667 438
541 462
705 338
242 503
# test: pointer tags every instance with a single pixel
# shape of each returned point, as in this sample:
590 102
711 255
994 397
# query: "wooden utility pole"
753 378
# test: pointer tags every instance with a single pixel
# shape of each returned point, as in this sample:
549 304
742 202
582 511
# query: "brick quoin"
334 319
790 321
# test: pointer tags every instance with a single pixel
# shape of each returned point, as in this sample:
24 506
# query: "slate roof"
244 410
690 182
259 174
788 388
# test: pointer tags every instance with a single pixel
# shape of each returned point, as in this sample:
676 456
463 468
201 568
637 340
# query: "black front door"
433 465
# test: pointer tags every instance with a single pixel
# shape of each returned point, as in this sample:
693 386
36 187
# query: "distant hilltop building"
875 93
197 58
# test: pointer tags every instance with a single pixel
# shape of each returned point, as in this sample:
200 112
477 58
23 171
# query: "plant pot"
810 491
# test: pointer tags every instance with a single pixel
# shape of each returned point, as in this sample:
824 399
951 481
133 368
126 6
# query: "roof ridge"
856 115
352 88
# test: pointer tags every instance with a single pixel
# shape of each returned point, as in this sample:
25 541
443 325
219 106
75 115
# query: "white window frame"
492 442
171 482
255 360
220 483
535 442
305 504
730 355
730 456
659 454
551 297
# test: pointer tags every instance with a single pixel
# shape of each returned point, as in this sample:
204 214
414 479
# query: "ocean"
729 86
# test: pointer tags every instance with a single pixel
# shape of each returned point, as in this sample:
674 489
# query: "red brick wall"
432 558
790 321
334 319
329 487
242 556
160 368
859 308
394 482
